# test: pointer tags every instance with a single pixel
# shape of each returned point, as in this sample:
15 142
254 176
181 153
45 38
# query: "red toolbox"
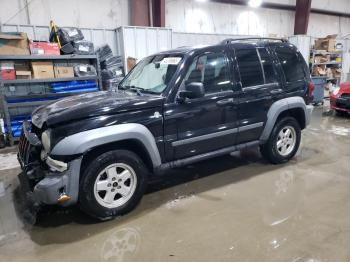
8 74
44 48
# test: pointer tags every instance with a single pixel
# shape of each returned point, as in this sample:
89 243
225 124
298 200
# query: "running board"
197 158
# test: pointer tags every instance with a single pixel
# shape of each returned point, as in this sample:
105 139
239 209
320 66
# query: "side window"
212 70
249 67
270 75
292 66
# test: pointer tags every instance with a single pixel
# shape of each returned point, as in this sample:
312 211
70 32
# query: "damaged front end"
46 180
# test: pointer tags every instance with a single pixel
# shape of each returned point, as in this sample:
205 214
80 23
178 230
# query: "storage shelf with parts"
19 97
326 63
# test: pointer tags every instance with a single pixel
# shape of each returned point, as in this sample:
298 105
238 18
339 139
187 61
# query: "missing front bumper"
54 186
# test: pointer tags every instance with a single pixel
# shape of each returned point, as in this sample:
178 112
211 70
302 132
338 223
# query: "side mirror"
192 90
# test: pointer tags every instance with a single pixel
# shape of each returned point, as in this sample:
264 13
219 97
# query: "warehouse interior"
90 86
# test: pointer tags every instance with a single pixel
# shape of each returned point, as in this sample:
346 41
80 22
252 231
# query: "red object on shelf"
44 48
8 74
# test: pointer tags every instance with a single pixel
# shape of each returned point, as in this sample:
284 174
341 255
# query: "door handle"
225 102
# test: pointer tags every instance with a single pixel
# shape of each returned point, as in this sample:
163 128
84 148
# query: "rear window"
249 67
270 75
292 65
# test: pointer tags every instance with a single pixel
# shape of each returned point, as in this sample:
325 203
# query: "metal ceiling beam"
302 14
283 7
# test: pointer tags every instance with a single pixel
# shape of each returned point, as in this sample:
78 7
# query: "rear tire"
112 184
283 142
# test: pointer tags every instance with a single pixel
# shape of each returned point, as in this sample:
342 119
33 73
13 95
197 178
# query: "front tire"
283 142
112 184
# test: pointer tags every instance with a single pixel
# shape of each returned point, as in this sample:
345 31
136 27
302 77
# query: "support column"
159 13
302 14
140 13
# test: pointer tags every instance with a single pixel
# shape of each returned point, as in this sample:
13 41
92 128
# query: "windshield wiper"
133 88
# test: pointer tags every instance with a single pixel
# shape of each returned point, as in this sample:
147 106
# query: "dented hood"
92 104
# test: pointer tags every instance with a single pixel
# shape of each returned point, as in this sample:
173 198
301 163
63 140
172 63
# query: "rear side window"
291 64
249 67
270 75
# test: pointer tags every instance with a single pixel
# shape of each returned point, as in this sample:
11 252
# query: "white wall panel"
194 39
139 42
303 43
80 13
211 17
342 6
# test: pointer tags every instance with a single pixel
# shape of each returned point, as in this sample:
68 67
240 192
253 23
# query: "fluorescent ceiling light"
201 0
254 3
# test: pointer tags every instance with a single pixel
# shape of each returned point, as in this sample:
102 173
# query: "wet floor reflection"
232 208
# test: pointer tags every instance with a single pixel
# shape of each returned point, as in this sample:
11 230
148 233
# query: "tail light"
311 91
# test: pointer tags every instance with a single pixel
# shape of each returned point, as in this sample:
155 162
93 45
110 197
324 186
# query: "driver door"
204 124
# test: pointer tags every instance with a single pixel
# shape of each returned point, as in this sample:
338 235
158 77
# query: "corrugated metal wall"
139 42
193 39
303 43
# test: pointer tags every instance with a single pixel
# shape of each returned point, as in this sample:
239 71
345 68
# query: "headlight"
46 141
336 90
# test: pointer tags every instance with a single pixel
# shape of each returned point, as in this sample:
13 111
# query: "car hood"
345 87
92 104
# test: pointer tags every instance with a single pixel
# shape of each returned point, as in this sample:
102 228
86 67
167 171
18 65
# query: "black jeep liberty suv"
174 108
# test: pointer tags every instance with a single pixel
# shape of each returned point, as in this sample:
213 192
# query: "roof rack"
229 40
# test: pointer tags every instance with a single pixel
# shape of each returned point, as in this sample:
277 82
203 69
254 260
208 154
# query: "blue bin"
320 82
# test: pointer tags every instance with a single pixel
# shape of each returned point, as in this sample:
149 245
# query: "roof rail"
229 40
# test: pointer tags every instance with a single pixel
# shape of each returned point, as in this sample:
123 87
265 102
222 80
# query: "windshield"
152 74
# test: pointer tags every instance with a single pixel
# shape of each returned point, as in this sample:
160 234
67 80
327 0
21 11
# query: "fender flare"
80 142
280 106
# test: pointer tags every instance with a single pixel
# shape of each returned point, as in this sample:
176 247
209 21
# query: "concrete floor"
234 208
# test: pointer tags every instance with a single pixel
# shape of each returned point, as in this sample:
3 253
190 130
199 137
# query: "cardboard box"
336 72
44 48
23 74
131 62
319 71
328 43
8 74
42 70
14 44
22 66
63 71
322 59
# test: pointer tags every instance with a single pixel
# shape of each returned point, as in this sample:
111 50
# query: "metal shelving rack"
332 63
49 97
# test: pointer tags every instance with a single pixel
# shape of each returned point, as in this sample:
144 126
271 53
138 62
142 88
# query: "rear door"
260 88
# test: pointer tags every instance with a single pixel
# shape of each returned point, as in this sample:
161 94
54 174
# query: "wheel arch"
291 106
132 145
134 137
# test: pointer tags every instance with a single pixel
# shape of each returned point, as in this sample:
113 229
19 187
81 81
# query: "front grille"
343 102
29 147
23 150
345 96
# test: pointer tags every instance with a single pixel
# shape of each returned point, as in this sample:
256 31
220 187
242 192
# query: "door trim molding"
204 137
251 126
216 134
